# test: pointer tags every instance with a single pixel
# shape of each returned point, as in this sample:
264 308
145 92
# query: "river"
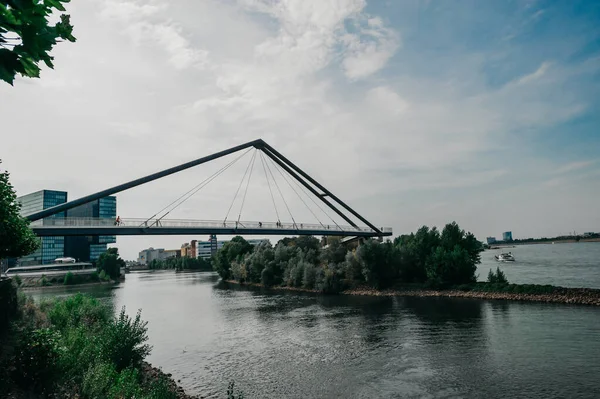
295 345
571 265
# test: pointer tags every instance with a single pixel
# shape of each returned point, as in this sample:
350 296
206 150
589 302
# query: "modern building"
148 255
89 248
507 236
51 247
206 249
491 240
84 249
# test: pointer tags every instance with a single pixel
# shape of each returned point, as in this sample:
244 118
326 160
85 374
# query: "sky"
416 112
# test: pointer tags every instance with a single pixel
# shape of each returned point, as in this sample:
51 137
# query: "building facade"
148 255
507 236
89 248
51 247
83 249
189 250
491 240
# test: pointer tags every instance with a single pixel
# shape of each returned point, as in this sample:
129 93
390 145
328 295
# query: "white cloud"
152 84
541 71
573 166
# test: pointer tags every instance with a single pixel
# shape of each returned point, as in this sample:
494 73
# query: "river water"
295 345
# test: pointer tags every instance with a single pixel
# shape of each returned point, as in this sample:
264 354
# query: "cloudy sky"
414 112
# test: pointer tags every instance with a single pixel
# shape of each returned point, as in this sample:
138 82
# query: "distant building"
491 240
52 247
188 250
507 236
84 249
206 249
148 255
589 234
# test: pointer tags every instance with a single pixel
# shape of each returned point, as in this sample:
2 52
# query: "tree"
455 260
16 238
379 263
110 263
233 250
27 37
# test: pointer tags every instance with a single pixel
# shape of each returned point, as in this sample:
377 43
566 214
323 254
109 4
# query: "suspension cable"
310 197
294 190
214 175
247 184
238 190
278 189
262 160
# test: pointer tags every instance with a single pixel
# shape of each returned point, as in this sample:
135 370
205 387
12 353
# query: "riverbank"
547 294
151 374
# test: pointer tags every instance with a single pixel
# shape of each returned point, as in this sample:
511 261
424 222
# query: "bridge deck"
107 227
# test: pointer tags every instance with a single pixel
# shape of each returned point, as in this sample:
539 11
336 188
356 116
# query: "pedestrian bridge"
133 226
278 172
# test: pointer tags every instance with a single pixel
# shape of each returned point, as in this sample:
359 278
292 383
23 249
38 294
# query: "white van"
65 260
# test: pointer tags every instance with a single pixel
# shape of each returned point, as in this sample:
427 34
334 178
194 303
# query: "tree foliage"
16 238
184 263
110 263
231 251
441 259
27 36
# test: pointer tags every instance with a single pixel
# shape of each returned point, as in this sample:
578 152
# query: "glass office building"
81 248
51 247
89 248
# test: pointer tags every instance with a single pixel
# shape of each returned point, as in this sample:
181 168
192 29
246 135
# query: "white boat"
506 257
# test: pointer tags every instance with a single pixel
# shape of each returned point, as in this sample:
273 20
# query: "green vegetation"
439 260
497 278
27 37
44 281
16 238
181 264
75 348
110 263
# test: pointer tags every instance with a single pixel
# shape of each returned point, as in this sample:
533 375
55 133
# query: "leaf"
55 4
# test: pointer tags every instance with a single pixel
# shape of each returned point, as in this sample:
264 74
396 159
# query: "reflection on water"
295 345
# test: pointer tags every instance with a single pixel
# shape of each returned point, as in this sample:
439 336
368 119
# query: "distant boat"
506 257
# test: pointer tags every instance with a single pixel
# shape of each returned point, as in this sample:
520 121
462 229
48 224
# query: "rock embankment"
579 296
151 373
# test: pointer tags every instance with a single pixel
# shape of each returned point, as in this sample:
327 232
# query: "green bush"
127 385
37 359
18 280
103 276
44 281
160 389
497 278
123 342
94 276
69 279
79 310
98 380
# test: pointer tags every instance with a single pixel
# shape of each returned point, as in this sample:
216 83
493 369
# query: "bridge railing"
151 223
